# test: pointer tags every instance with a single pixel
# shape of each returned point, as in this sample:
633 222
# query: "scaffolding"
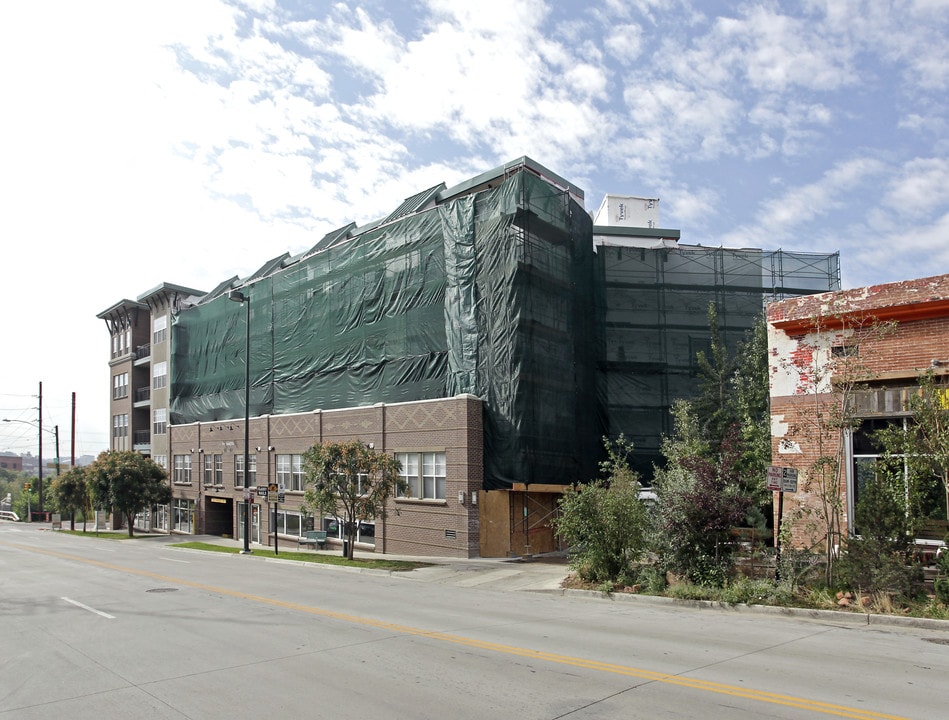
653 304
494 289
487 294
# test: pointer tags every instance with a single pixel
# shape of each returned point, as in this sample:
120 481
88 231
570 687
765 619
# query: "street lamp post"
244 299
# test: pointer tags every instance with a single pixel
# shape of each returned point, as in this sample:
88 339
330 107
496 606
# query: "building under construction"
489 334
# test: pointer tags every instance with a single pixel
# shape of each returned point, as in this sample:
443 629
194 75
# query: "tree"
879 558
924 444
70 492
713 407
830 372
605 523
351 481
734 398
700 498
128 483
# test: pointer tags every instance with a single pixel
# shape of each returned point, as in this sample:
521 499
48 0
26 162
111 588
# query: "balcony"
142 441
143 397
142 354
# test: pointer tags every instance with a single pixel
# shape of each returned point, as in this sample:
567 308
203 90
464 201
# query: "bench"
9 515
316 538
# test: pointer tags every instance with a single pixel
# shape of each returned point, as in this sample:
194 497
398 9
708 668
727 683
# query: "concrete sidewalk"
539 573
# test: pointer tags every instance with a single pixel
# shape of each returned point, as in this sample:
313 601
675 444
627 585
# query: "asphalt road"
104 629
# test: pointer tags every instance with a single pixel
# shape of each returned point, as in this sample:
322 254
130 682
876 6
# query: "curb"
791 612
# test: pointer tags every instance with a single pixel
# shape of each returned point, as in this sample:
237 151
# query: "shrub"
604 523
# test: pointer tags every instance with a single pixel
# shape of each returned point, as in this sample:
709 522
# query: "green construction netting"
498 294
488 294
653 308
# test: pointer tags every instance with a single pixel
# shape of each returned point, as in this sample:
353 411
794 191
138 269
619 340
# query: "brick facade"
823 348
445 527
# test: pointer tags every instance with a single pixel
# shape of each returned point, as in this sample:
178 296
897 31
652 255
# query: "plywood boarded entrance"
519 521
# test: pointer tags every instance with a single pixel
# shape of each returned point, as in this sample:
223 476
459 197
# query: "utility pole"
72 434
39 469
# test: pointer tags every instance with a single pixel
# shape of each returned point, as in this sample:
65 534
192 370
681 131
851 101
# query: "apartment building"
488 334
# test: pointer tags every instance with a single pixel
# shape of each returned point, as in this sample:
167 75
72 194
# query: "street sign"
281 497
261 491
782 479
273 487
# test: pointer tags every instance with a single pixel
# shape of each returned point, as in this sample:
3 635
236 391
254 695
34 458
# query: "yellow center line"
652 676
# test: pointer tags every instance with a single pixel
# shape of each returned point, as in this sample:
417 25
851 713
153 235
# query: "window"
160 518
120 386
365 531
159 421
120 426
183 469
121 341
182 513
424 473
213 469
287 523
926 494
159 375
120 432
239 470
159 329
290 472
161 461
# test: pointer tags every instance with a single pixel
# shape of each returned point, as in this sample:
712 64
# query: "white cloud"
624 42
918 188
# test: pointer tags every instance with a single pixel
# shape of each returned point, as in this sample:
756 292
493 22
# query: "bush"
756 592
941 583
870 566
605 524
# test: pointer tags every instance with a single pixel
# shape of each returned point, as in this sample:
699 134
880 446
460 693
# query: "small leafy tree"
700 498
878 559
127 482
605 523
831 371
351 481
924 444
70 492
734 397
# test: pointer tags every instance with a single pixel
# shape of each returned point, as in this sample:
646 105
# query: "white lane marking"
186 562
92 610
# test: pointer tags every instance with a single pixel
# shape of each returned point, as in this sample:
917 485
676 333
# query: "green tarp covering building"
494 288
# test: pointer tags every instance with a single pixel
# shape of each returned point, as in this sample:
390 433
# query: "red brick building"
13 463
843 364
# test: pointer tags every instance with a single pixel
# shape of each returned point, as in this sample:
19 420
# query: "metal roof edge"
169 287
126 303
500 172
636 232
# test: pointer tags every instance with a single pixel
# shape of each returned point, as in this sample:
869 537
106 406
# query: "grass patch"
104 535
370 563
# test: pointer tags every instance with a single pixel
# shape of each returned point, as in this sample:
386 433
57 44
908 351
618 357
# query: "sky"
188 141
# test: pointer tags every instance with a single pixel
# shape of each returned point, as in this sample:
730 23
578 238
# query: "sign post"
277 498
780 480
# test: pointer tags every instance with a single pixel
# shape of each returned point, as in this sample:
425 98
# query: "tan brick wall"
412 527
